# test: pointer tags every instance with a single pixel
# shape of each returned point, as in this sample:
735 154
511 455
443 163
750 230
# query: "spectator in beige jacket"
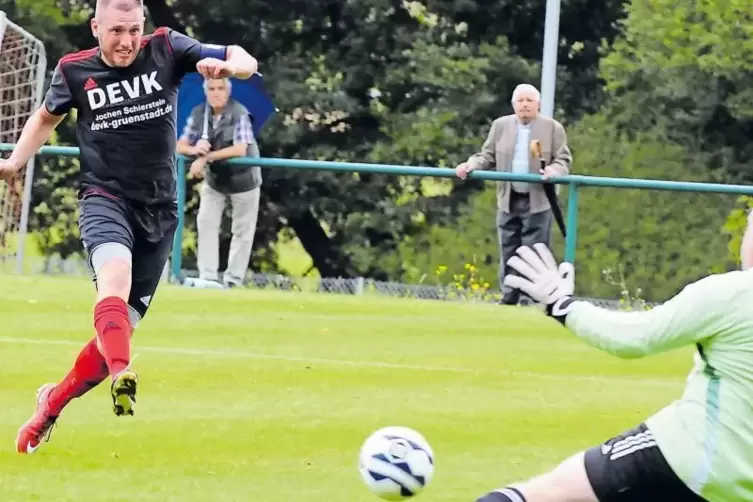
524 215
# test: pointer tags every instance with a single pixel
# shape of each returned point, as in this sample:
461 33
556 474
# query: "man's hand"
463 170
549 172
202 147
197 168
541 279
214 68
7 169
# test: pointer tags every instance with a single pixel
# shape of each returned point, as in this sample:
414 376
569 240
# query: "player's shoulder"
725 287
78 57
159 36
739 280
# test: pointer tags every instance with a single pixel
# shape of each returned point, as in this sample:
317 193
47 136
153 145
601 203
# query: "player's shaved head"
119 5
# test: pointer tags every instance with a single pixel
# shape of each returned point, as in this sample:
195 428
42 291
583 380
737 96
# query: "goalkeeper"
698 448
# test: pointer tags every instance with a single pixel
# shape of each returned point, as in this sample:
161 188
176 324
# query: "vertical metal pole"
23 227
3 18
549 57
177 252
572 223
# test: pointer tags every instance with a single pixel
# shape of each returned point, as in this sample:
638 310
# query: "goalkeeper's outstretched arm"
698 312
695 314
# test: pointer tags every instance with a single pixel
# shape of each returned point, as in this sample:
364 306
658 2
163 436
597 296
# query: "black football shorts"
146 230
631 468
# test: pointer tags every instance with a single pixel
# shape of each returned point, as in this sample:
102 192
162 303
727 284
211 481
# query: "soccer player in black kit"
125 91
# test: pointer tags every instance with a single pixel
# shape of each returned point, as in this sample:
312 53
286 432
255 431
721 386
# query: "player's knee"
112 268
114 278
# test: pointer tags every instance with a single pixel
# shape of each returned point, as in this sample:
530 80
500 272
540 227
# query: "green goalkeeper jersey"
707 435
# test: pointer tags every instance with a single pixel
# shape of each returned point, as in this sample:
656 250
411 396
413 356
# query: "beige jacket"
499 148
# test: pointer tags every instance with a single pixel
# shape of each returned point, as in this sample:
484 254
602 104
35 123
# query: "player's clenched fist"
214 68
7 169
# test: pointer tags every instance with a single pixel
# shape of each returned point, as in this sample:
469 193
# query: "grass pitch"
267 396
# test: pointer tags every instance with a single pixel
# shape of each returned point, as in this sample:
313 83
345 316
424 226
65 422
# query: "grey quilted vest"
221 176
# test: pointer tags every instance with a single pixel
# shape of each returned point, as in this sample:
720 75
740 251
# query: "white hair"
227 82
521 88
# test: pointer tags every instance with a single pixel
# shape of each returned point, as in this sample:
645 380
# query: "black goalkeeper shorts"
631 468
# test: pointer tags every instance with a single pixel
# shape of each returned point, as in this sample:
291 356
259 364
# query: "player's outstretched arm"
242 64
692 316
36 132
696 313
238 64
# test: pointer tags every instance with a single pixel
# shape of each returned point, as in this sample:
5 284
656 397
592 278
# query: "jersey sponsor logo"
118 92
127 115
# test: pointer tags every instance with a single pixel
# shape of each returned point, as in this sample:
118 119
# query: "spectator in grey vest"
524 216
218 130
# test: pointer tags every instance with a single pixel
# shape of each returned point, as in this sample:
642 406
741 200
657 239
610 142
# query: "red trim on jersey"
163 32
159 32
75 56
78 56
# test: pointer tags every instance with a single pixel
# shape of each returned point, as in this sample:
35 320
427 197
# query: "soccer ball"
396 463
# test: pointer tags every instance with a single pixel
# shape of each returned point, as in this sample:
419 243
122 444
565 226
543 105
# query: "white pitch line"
238 354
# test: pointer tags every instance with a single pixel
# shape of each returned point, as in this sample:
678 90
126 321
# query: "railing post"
176 261
572 223
23 227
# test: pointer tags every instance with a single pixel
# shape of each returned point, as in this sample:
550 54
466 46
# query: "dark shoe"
510 298
526 301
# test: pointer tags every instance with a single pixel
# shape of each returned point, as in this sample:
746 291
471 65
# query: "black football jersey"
126 120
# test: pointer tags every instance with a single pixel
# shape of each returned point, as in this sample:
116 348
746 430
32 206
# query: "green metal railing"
574 183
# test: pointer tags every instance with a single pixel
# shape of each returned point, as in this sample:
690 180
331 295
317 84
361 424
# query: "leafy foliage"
647 88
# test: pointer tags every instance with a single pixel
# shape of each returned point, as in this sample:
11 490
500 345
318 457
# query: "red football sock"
88 371
114 333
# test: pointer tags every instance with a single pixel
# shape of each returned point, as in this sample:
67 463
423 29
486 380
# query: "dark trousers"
519 228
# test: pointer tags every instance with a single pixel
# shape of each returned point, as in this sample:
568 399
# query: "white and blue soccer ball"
396 463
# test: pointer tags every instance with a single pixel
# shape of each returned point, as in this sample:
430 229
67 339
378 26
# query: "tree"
688 65
687 68
382 81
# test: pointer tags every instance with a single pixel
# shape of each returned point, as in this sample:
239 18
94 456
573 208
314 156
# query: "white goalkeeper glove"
542 279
